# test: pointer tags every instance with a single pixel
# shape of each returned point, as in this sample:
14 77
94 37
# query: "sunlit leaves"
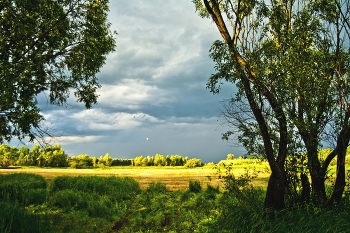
200 9
224 66
49 46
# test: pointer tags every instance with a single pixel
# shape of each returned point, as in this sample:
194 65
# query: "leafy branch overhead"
53 47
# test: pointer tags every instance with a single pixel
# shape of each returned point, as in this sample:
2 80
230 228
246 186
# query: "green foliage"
116 188
160 160
252 156
292 79
347 188
80 161
230 156
250 218
295 166
55 156
243 161
194 186
92 204
157 187
10 155
16 219
138 161
52 46
23 188
177 211
97 197
50 156
201 9
105 161
191 163
176 160
121 162
211 192
322 155
240 187
69 200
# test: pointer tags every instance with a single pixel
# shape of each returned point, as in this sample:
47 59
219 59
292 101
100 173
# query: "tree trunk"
274 199
319 196
317 172
343 141
305 193
340 179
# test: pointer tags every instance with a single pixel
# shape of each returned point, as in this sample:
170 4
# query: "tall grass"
24 188
14 218
103 197
116 188
250 217
90 203
17 191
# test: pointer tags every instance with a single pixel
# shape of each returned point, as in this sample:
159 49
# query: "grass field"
164 199
175 178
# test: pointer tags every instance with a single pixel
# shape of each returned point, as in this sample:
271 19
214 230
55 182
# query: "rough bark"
275 193
317 173
305 193
340 178
342 144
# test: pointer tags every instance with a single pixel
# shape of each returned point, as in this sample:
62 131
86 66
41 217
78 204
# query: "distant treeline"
169 160
55 156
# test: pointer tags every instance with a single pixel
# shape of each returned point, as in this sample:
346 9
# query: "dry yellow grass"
175 178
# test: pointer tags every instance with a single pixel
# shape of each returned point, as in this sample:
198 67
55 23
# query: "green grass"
18 191
92 203
116 188
15 218
23 188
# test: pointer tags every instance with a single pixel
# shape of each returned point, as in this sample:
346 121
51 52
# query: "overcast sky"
153 86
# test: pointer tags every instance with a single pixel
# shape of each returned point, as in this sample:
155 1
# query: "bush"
195 186
105 161
191 163
240 186
211 192
242 161
80 161
230 157
157 187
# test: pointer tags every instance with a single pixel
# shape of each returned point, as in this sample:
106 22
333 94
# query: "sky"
153 97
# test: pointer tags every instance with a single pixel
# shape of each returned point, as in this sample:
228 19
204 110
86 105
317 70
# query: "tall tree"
50 46
292 72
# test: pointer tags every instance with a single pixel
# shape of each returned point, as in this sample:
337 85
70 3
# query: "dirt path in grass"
174 178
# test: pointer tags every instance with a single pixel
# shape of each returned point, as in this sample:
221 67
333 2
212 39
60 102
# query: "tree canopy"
53 47
290 62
